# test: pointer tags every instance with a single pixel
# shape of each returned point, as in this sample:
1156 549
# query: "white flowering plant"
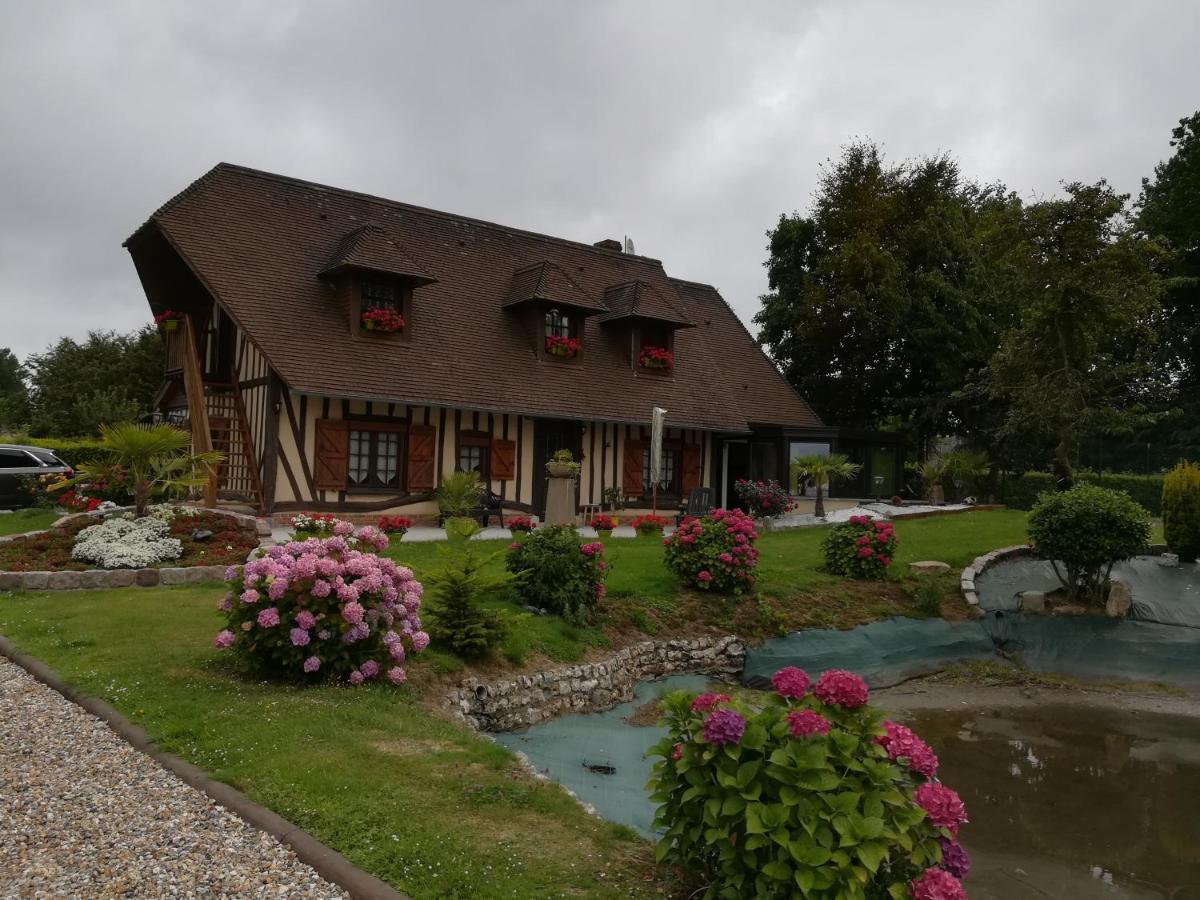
120 543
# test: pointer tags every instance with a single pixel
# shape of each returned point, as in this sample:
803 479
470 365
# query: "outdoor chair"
490 505
699 503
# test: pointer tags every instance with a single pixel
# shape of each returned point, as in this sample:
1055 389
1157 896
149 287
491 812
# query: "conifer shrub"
455 617
1181 510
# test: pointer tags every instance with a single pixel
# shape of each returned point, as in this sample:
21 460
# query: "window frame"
375 428
650 334
480 440
674 450
575 321
400 299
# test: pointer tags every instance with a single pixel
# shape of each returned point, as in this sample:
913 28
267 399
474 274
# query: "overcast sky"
689 127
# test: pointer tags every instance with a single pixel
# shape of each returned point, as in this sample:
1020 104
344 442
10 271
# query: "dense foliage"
318 609
762 499
1021 491
455 616
715 552
1181 510
559 572
1084 532
860 547
459 494
811 795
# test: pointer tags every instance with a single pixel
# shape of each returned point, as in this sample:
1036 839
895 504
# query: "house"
345 352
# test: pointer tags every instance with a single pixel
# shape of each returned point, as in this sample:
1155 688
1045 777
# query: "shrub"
812 791
520 524
395 525
1021 491
315 524
1181 509
559 572
120 543
647 524
860 547
714 553
456 620
459 494
74 453
461 528
762 499
1084 532
317 609
614 497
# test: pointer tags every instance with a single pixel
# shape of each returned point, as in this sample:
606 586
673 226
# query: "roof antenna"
629 246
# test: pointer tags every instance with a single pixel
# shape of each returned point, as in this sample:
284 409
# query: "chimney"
608 244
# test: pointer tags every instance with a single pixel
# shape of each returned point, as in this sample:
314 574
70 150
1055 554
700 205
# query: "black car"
18 464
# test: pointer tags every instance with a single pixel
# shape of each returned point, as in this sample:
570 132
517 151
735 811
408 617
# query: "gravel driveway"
83 814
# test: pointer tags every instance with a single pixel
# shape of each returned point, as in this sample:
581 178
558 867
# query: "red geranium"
562 346
380 318
657 358
395 524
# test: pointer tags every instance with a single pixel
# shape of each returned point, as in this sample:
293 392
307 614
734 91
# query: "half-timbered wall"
298 481
254 383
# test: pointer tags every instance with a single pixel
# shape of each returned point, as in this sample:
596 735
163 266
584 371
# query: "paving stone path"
83 814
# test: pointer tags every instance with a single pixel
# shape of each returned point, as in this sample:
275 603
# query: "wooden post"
193 383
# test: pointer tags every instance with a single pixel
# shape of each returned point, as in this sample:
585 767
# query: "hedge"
1021 491
73 452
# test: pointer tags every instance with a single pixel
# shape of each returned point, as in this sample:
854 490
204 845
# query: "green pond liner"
601 756
1169 595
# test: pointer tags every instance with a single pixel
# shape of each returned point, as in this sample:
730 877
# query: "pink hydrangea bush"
855 799
325 609
860 547
764 499
715 552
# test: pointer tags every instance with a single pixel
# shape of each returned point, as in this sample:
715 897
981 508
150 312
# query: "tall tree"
107 378
14 394
1078 358
1169 207
881 302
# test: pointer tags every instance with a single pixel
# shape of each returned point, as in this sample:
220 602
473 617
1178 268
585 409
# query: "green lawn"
27 520
419 801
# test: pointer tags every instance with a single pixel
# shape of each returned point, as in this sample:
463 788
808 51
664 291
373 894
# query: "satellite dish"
629 246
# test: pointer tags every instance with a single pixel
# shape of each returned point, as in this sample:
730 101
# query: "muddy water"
1072 802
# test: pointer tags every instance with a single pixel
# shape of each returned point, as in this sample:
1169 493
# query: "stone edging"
982 563
985 562
591 687
328 863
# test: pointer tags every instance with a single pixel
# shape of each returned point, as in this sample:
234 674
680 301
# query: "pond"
1066 801
1073 801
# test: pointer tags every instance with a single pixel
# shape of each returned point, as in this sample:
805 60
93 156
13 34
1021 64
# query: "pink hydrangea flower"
224 640
903 745
312 664
226 604
343 528
592 549
250 596
954 858
677 752
299 637
278 588
704 576
838 687
268 618
942 806
356 677
705 702
864 552
370 668
397 675
420 640
514 546
936 884
353 612
724 727
305 619
806 723
790 682
321 589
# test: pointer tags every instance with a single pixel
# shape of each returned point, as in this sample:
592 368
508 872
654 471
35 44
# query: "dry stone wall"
592 687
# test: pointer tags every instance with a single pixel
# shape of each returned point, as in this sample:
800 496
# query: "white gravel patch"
84 814
871 511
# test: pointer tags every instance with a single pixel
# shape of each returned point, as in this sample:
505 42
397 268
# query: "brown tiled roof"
369 246
259 241
546 282
641 300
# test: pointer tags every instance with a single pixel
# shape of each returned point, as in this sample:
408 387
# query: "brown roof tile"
544 281
641 300
369 246
258 241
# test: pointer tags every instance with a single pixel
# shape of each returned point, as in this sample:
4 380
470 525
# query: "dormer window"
655 348
381 305
561 334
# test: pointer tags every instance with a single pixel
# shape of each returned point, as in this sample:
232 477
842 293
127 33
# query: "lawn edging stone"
98 579
591 687
327 862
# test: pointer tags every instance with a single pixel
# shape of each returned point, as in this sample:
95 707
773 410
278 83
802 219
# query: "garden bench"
699 503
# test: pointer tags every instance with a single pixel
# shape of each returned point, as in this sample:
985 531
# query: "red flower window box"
659 358
566 347
168 320
380 318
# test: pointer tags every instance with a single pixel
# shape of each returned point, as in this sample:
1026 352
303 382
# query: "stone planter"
562 469
937 495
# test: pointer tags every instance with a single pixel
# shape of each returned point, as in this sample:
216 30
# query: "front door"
736 464
550 436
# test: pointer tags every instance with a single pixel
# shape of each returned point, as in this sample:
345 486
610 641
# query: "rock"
1033 602
147 577
10 581
63 581
1169 561
1070 609
122 578
201 534
928 567
35 581
173 575
1120 599
94 578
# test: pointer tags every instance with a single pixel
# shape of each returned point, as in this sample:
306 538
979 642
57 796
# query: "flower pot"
369 324
605 533
561 469
170 325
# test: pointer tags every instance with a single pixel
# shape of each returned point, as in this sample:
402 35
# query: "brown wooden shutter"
631 469
690 468
504 460
333 453
422 447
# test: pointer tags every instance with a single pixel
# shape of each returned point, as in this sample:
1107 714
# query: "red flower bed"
50 551
603 523
523 524
649 524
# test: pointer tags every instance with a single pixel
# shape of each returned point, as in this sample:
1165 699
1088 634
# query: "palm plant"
459 494
966 467
823 471
933 470
157 459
